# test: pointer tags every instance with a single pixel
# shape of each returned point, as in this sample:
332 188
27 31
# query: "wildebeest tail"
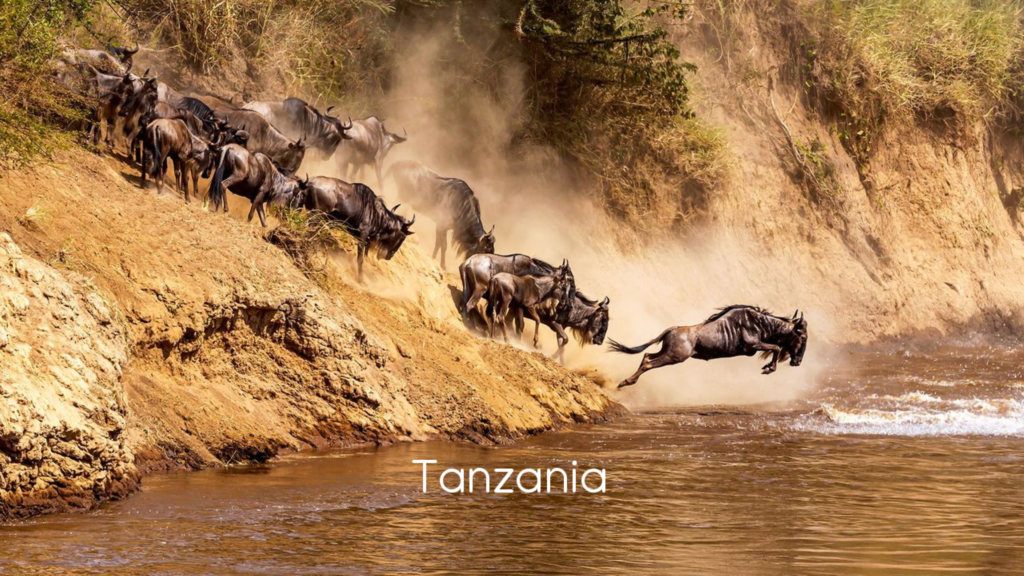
154 155
463 273
616 347
216 187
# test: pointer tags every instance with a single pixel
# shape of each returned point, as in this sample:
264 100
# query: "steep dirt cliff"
141 333
913 236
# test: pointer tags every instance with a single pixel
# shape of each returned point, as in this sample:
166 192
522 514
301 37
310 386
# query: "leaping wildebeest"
296 119
253 176
263 137
362 213
450 202
507 292
736 330
369 143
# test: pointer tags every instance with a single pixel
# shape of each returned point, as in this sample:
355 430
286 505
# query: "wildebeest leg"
774 362
161 171
256 204
532 311
562 340
262 215
380 180
226 187
360 251
194 172
673 351
440 243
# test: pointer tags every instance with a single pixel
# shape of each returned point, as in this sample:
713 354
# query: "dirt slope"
215 348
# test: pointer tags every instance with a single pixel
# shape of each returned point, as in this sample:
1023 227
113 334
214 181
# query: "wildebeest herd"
255 150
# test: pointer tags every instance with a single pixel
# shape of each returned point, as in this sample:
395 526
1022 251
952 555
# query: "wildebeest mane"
784 355
465 211
723 311
199 109
373 219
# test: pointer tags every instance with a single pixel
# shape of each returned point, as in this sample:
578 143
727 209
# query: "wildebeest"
450 202
253 176
263 137
736 330
586 319
369 143
507 292
296 119
363 213
476 273
171 138
115 59
110 97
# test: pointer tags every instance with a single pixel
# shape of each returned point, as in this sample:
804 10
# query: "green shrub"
32 102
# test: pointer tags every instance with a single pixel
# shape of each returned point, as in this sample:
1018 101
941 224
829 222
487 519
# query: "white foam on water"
958 417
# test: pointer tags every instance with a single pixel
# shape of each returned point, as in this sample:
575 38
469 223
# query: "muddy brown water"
898 463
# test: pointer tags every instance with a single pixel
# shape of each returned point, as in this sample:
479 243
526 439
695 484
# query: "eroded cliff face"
63 414
914 237
141 333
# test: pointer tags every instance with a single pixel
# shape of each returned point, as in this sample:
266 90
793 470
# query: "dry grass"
308 238
34 216
889 60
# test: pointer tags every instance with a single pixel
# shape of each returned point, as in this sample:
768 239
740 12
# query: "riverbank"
141 334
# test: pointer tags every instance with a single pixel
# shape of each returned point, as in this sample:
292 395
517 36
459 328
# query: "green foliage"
610 90
32 103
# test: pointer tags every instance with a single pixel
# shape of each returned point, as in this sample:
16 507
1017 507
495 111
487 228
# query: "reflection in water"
884 471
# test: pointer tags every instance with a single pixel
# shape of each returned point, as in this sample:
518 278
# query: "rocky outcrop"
62 409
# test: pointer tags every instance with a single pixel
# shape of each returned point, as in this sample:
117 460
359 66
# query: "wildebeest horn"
491 231
329 108
796 313
395 209
411 222
605 301
134 51
350 124
801 315
402 138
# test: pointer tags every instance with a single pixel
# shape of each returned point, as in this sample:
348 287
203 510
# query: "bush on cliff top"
32 103
891 60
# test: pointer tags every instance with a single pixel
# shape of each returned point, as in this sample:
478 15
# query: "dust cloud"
463 128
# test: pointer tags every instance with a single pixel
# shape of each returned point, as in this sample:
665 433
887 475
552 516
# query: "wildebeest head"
339 130
390 139
391 239
291 158
485 245
124 54
141 101
598 325
797 343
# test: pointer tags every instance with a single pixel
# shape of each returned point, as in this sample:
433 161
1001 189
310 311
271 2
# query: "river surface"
898 463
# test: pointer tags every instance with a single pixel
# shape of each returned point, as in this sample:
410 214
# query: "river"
899 462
